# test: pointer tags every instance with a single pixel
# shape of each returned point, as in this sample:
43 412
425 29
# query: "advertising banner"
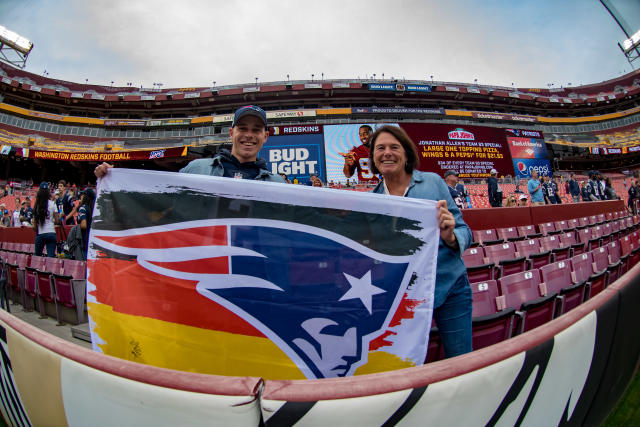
382 86
246 278
499 116
523 167
397 110
472 151
296 151
528 151
117 156
169 122
124 122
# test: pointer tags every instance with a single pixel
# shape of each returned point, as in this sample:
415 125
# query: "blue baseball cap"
250 110
44 184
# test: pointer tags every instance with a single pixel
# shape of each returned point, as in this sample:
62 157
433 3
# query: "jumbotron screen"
472 151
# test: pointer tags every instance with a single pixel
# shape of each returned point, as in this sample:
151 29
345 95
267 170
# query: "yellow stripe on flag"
187 348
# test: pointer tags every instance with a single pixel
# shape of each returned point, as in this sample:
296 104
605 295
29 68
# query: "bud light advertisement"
296 155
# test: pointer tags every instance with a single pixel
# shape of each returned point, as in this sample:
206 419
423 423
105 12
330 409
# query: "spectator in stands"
574 188
394 155
584 192
547 191
593 187
633 196
66 202
284 176
609 192
494 189
45 216
451 178
518 190
555 185
5 221
358 158
26 213
463 190
511 201
522 200
601 185
535 189
16 213
249 131
85 212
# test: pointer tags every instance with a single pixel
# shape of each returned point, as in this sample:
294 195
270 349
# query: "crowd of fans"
68 205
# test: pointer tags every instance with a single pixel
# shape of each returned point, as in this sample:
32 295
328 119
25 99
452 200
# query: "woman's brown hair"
403 139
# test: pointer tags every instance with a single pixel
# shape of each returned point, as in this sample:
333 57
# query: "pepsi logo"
522 167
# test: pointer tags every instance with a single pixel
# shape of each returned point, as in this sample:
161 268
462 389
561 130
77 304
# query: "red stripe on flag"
197 236
131 289
219 265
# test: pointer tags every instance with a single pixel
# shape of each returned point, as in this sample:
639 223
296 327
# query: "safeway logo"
460 133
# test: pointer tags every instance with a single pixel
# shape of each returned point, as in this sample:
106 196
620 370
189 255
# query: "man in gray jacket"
249 132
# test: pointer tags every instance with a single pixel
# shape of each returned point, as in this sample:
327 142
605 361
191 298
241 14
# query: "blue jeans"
48 239
453 319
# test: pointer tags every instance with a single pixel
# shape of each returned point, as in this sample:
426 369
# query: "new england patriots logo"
516 132
319 296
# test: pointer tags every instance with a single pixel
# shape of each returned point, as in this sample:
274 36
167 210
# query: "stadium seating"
45 292
553 244
505 257
70 289
558 278
523 292
490 325
531 249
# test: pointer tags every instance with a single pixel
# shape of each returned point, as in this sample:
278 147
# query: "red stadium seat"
31 280
505 257
558 278
552 243
582 269
70 288
530 248
528 231
508 234
45 289
522 291
478 269
490 324
563 226
486 237
547 228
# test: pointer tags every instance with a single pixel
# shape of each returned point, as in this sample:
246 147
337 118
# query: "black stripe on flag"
122 210
289 413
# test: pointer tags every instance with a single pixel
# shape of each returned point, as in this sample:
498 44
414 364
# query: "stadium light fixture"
14 49
256 81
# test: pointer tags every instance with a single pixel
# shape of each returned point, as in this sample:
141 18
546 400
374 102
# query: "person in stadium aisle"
522 200
26 213
67 202
547 191
633 196
601 185
465 194
358 158
584 192
16 213
85 212
249 131
574 188
5 221
394 155
451 178
494 189
45 216
609 192
535 189
554 184
592 187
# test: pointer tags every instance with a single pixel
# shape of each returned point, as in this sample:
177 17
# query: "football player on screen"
358 158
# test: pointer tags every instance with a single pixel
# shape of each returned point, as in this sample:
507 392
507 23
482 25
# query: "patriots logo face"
319 296
516 132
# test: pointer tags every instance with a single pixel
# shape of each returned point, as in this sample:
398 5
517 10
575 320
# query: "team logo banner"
235 277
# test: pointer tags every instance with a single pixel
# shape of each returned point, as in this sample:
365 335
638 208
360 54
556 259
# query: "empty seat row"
492 236
27 248
55 286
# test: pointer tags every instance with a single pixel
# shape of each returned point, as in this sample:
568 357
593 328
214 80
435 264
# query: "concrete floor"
49 325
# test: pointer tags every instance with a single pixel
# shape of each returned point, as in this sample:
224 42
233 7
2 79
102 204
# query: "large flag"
237 277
